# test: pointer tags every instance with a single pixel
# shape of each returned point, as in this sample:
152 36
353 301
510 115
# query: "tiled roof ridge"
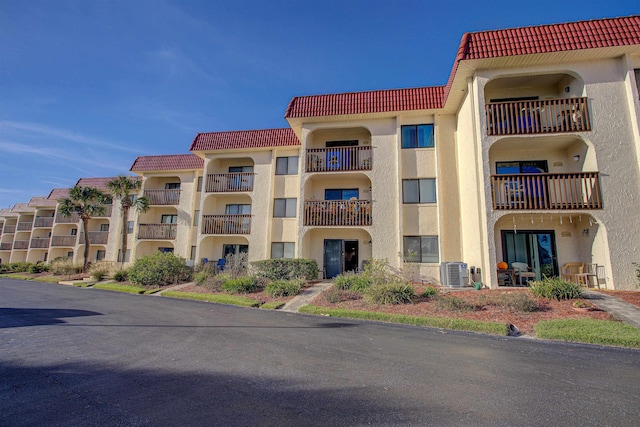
251 138
182 161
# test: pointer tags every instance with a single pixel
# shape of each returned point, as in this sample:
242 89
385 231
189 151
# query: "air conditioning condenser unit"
454 274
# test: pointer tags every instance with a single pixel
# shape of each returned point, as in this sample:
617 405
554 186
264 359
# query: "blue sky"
86 86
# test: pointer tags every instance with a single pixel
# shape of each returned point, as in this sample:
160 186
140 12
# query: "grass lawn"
130 289
24 276
219 298
590 331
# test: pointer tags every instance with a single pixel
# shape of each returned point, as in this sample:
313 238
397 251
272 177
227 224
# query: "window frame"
419 191
283 249
289 169
163 216
287 209
422 240
407 144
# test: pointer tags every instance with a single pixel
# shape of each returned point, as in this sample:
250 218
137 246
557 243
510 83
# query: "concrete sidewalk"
306 296
623 311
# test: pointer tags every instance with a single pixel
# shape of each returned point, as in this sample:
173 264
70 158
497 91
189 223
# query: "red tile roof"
6 212
58 193
99 183
376 101
244 139
480 45
167 162
42 202
22 207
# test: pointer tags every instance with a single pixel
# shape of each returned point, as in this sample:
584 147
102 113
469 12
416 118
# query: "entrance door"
339 256
536 248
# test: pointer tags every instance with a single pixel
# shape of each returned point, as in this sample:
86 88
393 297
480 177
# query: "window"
284 208
169 219
517 167
340 193
100 254
419 190
234 249
196 219
199 183
637 73
133 198
193 253
282 250
104 227
287 165
172 186
129 227
344 143
421 249
238 210
74 232
126 257
166 250
417 136
69 254
237 169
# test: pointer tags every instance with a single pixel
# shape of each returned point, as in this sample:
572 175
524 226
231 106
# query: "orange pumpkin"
502 265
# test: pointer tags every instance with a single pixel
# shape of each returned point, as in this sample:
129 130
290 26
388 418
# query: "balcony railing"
24 226
21 244
96 238
337 212
74 218
9 229
229 182
44 221
226 224
157 231
338 159
107 212
163 197
40 243
6 246
535 117
546 191
68 241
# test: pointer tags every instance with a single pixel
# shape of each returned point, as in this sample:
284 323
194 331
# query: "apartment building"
530 153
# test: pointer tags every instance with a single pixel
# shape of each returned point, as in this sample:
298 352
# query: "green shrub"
38 268
391 293
283 288
453 303
554 288
201 276
121 275
19 267
101 270
379 272
240 285
429 292
159 269
352 281
332 295
64 266
287 269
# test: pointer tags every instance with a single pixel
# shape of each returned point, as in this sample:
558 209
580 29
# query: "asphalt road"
74 357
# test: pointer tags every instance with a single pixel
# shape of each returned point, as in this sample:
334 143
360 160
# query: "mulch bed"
525 322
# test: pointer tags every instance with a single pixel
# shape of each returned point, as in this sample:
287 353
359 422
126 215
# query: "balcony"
74 218
337 213
337 159
9 229
229 182
24 226
226 224
5 246
44 221
157 231
546 191
21 244
163 197
107 212
538 117
96 237
68 241
39 243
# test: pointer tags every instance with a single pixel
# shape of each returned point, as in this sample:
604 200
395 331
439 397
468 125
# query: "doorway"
340 256
536 248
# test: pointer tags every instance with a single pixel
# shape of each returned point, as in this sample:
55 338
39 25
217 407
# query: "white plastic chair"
522 269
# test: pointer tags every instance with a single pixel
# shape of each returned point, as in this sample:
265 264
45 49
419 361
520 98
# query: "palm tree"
120 188
86 202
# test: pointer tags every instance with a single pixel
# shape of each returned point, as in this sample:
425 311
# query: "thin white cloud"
38 130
